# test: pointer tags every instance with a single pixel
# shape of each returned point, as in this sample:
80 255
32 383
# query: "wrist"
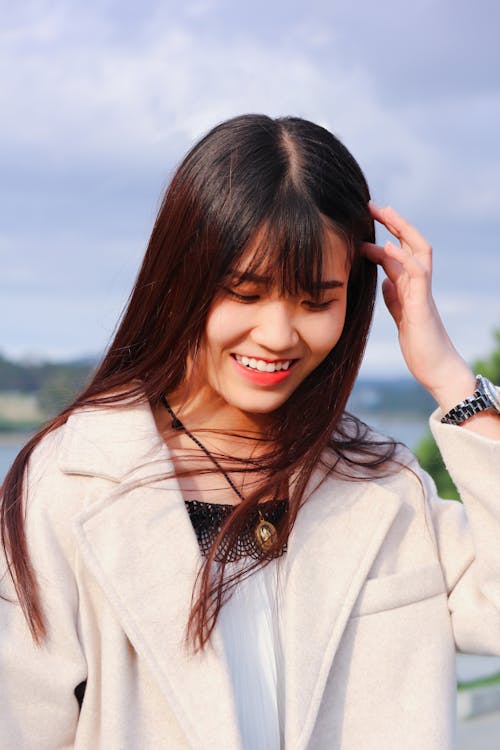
458 385
482 408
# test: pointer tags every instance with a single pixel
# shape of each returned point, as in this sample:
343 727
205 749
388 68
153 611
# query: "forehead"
266 260
336 253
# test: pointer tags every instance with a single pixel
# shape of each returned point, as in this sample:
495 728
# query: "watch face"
492 392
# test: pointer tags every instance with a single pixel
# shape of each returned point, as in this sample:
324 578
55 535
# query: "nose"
276 328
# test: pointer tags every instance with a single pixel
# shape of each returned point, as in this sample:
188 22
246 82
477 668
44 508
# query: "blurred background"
100 101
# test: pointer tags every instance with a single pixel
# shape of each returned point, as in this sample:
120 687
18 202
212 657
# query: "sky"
101 100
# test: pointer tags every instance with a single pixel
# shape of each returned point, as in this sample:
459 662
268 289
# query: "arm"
38 707
426 347
468 536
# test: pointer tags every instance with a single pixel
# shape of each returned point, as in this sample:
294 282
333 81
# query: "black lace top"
207 520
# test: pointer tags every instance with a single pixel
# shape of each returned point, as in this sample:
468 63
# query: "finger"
401 267
391 300
408 261
377 254
403 230
373 252
406 232
412 270
378 214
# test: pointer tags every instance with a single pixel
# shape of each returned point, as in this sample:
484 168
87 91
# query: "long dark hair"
287 179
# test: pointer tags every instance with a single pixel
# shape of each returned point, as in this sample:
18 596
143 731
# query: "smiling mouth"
262 365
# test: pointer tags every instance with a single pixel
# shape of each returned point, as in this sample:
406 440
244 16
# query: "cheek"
225 324
324 334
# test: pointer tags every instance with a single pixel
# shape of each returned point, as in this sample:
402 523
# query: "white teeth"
261 366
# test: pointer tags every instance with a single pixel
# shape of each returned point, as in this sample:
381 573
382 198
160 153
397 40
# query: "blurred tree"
427 451
490 367
17 377
59 387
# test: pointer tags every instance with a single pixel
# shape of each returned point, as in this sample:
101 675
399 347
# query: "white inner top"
251 624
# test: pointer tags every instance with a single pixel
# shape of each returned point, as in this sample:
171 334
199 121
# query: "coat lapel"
140 546
332 547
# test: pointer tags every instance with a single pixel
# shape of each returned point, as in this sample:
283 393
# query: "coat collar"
110 443
138 542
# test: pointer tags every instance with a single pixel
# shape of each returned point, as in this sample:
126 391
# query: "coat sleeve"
38 707
468 535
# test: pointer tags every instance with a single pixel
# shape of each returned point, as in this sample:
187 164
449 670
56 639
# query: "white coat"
383 582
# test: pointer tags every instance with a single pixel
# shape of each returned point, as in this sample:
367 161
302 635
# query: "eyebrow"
238 277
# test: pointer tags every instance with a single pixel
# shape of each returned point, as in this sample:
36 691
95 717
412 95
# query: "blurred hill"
30 392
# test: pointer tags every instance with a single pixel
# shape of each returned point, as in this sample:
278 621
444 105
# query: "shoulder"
50 494
44 456
106 443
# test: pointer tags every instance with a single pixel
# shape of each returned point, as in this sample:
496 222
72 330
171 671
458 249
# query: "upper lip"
265 359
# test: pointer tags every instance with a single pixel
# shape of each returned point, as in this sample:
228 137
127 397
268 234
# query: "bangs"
288 249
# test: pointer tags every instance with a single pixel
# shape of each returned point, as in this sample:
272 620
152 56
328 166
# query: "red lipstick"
262 378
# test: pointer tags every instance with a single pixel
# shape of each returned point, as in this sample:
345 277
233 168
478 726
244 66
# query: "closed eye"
242 297
312 305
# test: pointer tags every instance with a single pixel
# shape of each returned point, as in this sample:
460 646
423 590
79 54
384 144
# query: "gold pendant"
266 535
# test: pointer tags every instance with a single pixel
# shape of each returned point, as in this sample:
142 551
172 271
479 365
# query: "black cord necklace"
265 533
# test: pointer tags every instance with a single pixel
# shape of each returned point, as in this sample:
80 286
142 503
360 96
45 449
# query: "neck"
202 411
221 447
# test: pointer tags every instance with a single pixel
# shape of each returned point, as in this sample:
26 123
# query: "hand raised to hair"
426 347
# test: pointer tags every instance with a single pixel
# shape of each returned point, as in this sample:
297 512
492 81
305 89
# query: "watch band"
486 396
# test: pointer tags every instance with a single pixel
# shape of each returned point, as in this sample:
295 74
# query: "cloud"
79 98
101 102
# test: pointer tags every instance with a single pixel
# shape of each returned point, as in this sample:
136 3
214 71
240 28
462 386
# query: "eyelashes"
250 298
242 297
318 305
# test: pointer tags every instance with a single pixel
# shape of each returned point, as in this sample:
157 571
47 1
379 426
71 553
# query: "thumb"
391 299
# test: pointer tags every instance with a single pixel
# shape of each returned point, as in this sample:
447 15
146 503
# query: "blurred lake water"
9 448
408 430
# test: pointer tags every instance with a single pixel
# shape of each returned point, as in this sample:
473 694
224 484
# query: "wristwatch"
486 396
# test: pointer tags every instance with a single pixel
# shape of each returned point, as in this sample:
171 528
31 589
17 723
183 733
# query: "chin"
261 408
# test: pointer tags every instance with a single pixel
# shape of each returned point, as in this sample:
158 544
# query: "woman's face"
259 346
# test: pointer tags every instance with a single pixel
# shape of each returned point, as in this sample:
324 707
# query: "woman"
204 550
